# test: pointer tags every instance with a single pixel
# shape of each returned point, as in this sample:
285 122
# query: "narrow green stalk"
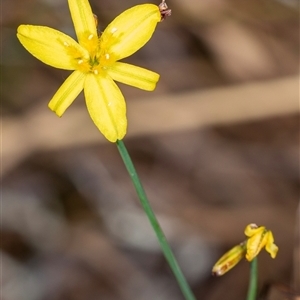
253 280
186 290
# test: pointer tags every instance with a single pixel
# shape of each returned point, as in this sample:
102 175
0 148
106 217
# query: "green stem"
253 280
154 223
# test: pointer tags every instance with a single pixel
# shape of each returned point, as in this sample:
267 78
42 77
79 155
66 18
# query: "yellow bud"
229 260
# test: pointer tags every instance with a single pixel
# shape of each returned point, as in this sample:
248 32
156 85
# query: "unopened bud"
229 260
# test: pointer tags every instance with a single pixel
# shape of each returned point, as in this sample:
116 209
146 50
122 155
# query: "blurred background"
216 146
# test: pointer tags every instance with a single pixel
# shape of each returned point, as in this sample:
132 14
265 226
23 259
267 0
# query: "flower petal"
253 229
255 243
51 46
67 93
106 106
133 75
270 246
131 30
83 18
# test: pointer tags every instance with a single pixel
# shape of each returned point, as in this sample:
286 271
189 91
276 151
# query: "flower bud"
229 260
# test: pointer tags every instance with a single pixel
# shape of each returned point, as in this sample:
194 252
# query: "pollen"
113 30
96 72
107 56
90 37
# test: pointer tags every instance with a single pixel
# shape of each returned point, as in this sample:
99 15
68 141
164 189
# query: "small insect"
164 10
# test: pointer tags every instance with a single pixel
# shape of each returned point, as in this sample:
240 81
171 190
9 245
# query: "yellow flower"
258 238
229 260
95 61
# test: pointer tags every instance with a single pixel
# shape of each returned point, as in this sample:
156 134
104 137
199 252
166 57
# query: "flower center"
96 58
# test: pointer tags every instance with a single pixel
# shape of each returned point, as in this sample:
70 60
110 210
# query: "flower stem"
154 223
253 280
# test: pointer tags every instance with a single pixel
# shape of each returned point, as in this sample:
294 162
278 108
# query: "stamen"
96 72
80 61
106 56
90 37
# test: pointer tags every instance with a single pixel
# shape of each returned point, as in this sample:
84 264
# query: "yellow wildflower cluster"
258 238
